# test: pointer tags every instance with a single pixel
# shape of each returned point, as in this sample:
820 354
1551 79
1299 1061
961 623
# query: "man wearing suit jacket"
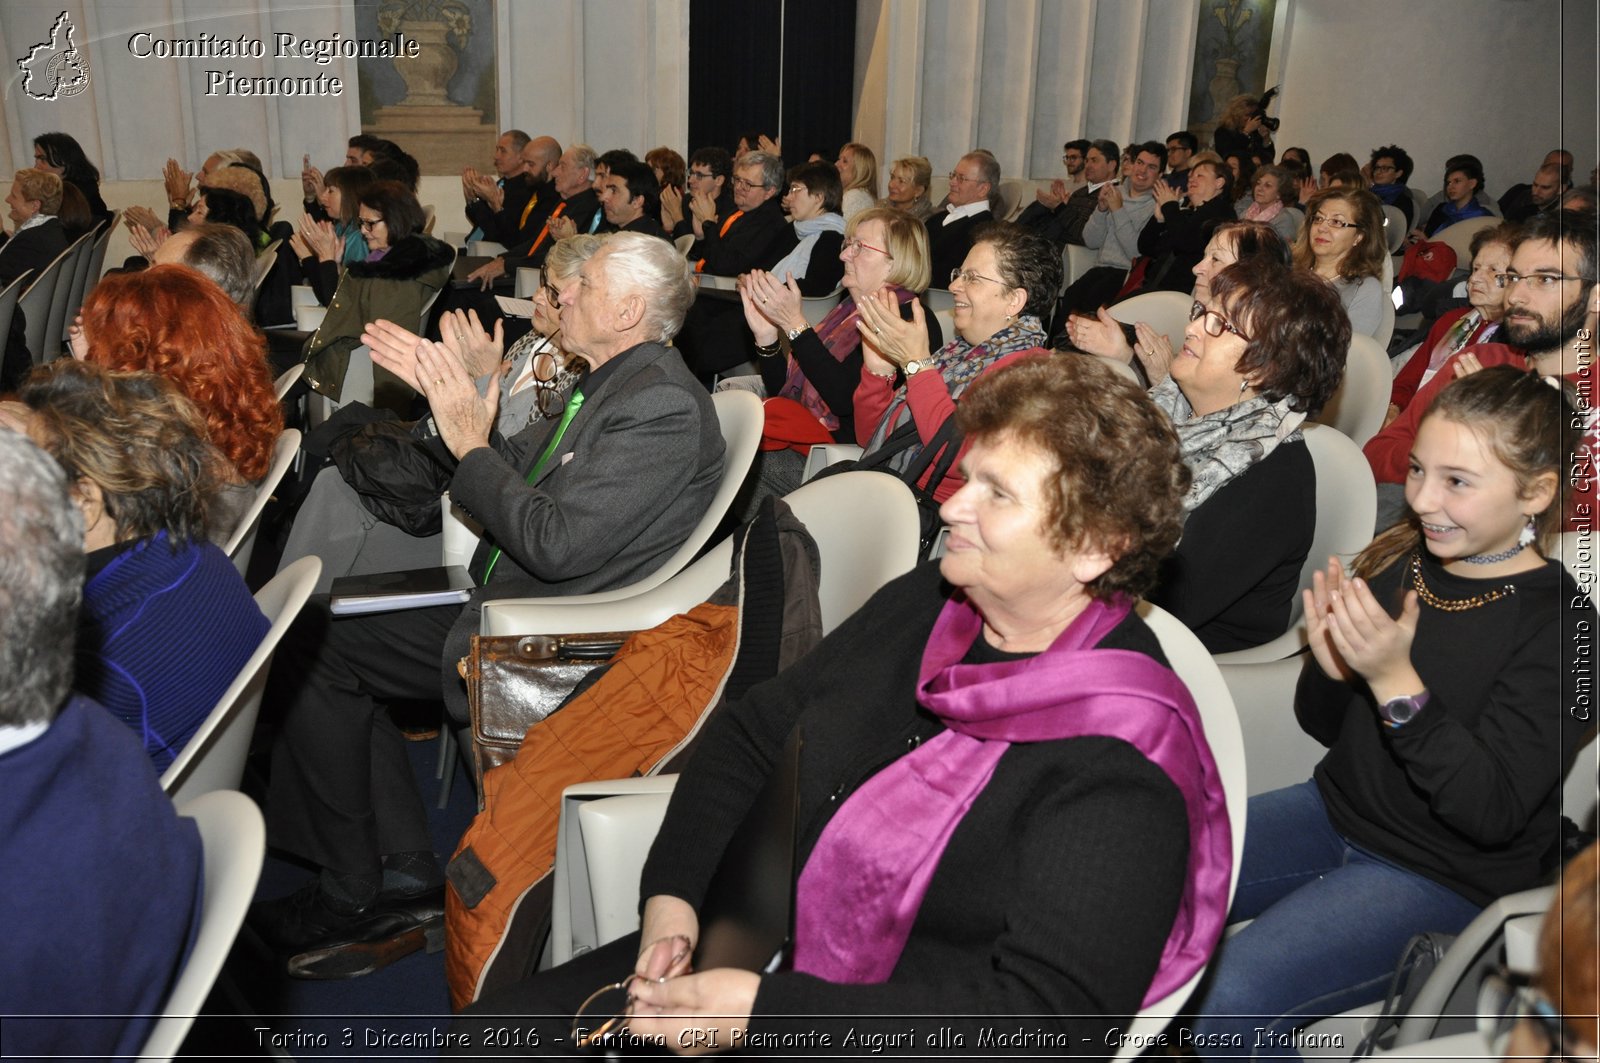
1064 223
593 500
950 231
503 206
756 234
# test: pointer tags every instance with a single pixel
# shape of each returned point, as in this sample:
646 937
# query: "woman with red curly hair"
173 321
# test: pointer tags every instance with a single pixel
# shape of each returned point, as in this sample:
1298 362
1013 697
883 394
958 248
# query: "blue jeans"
1330 922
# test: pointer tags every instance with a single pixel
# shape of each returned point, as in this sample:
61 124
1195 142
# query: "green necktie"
533 474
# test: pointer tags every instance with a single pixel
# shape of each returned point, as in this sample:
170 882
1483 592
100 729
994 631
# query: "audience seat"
266 258
61 295
1347 506
241 543
37 300
1358 406
233 840
8 302
1394 228
214 758
1076 260
1459 238
1166 312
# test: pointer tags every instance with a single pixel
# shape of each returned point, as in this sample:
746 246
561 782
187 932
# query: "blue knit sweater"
161 636
102 883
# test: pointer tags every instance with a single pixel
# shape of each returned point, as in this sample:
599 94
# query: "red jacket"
1409 379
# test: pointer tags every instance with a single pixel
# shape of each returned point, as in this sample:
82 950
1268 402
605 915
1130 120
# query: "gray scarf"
1224 444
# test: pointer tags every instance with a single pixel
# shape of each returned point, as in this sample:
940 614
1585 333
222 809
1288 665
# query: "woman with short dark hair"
1264 352
404 268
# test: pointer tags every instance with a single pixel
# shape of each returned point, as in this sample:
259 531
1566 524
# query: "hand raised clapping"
1351 634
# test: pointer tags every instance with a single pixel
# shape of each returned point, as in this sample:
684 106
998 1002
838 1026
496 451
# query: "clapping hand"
318 238
77 339
1307 187
1152 348
464 336
891 338
768 145
1165 193
1110 196
1100 335
1352 634
177 180
462 417
562 227
770 306
145 241
142 216
671 207
1049 197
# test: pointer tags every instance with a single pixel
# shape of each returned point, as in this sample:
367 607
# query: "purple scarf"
840 336
864 882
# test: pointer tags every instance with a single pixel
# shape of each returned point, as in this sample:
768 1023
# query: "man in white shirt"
976 175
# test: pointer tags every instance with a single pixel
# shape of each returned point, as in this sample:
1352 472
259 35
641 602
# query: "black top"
756 240
1469 792
1177 243
581 208
33 249
948 244
505 226
1237 567
644 223
1054 896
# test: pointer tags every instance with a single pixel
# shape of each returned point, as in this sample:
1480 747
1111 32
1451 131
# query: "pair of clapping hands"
1102 335
446 373
888 341
1352 635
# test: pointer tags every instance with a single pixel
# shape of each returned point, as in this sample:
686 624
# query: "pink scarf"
864 882
1256 212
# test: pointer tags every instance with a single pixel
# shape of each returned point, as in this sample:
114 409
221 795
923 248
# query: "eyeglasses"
798 189
744 186
551 292
701 175
1384 167
958 178
1507 999
1320 218
1540 281
606 1009
855 247
368 224
967 275
1214 324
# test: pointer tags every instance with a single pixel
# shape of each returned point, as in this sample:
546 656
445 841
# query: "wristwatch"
794 333
1397 712
912 368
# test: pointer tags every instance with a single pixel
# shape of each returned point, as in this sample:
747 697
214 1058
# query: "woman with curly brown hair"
173 321
1263 352
166 620
1001 834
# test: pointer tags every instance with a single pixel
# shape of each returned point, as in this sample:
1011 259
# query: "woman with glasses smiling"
1342 242
403 269
1263 352
1002 291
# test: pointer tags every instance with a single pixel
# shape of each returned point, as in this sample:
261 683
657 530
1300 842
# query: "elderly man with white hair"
592 500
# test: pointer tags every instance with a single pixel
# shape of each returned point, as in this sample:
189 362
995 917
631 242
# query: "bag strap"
944 446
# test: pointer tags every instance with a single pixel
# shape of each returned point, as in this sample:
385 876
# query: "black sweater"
1469 792
1057 890
1237 567
1176 241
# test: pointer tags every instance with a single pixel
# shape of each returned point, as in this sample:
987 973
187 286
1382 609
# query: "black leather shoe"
302 920
394 927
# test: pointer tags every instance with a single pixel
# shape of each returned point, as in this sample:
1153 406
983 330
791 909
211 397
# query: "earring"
1529 533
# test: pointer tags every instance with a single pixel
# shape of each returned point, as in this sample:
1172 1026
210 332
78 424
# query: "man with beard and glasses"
1552 305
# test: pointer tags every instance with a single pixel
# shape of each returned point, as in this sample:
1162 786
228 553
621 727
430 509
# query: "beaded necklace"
1452 605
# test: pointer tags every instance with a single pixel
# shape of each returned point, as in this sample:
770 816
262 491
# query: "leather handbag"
515 681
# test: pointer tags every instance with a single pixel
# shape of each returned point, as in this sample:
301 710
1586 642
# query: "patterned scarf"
1224 444
865 880
840 336
959 363
1257 212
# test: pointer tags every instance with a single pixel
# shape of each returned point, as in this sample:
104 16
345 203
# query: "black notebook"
413 589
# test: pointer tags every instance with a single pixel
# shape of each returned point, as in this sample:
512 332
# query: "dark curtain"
734 67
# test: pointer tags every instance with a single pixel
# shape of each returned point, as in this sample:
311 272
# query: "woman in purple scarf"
1008 818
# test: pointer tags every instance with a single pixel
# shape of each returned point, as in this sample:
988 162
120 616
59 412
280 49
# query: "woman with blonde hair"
1342 242
858 172
909 180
